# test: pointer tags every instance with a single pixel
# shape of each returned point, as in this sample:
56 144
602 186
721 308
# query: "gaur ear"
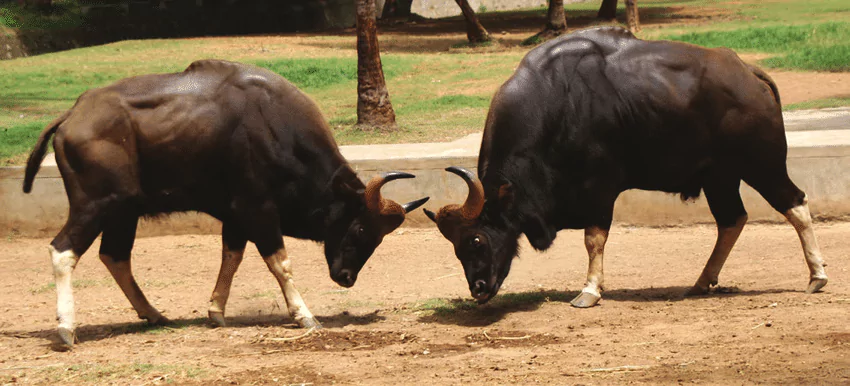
506 196
538 233
345 182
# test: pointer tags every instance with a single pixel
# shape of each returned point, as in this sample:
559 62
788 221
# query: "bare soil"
404 321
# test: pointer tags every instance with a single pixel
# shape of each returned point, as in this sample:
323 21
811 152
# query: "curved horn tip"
461 171
431 215
411 206
394 175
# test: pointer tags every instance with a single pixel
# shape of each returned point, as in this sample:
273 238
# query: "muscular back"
224 124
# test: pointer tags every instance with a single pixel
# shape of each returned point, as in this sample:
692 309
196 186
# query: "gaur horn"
411 206
431 215
474 204
376 203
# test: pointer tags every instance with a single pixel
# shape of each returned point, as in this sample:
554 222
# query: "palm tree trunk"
632 16
374 109
475 32
556 24
557 17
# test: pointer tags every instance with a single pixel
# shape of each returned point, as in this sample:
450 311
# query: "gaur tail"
759 73
40 149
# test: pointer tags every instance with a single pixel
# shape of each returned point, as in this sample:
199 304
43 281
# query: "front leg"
594 240
281 267
233 248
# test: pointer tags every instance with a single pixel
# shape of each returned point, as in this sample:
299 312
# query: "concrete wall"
445 8
818 162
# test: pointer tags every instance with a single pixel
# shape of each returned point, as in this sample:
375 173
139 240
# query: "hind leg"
116 244
789 200
800 217
73 240
724 200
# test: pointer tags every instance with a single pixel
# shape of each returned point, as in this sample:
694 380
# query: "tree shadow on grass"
465 312
440 35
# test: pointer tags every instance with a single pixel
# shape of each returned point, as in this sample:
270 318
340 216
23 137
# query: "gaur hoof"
585 300
68 337
156 320
697 290
310 323
815 285
217 318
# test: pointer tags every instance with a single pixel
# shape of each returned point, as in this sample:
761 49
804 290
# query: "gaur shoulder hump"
243 74
593 41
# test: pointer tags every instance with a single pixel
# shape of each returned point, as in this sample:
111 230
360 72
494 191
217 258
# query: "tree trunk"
632 16
556 24
374 109
557 17
608 10
475 32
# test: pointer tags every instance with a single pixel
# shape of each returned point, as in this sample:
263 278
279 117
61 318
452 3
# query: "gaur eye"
475 241
360 230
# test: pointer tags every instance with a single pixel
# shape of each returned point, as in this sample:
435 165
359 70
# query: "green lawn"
434 96
813 47
65 14
438 94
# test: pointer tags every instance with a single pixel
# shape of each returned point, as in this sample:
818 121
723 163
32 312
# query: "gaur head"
359 220
484 241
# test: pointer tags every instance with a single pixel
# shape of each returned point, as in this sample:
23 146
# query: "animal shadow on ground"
97 332
465 312
344 318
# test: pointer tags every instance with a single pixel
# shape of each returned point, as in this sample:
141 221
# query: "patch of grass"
441 306
337 292
835 58
445 102
62 14
76 284
445 307
147 328
121 373
788 10
267 294
349 120
813 47
17 141
468 44
765 39
819 103
776 38
438 96
348 304
532 41
317 73
155 283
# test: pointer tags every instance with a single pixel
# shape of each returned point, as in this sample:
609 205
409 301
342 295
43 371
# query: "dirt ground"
404 321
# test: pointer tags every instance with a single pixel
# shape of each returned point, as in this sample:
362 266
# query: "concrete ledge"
837 118
818 162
